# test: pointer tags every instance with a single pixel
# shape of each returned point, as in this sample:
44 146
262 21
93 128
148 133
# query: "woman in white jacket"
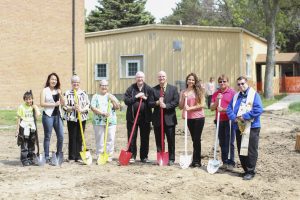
51 99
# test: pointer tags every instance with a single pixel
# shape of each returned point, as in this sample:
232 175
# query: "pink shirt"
227 96
193 114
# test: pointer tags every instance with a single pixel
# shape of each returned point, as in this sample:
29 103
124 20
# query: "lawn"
8 117
295 107
271 101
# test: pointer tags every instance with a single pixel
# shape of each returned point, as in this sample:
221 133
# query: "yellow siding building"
207 51
36 39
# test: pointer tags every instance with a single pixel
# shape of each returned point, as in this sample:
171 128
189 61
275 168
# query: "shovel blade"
124 157
102 159
213 166
40 160
86 157
162 158
185 161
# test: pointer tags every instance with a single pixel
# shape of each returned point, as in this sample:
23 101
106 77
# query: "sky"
158 8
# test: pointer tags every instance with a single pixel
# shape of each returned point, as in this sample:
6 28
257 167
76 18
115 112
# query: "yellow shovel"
84 154
103 157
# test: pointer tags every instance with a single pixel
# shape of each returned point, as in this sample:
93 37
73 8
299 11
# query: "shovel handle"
185 126
217 131
134 124
106 127
80 122
162 129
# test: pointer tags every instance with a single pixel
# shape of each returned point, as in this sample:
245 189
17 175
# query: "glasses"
239 84
103 85
222 81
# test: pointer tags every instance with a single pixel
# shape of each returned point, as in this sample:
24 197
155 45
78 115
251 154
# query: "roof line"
171 27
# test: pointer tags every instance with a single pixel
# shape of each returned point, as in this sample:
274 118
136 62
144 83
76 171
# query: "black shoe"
193 165
26 163
145 160
171 162
248 176
48 161
32 162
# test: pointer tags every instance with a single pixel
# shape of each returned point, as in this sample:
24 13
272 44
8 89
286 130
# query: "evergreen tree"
111 14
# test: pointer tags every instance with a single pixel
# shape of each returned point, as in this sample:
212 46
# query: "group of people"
239 118
58 106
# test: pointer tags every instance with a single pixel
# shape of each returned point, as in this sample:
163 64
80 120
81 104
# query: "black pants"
249 162
27 146
170 133
195 127
209 101
75 139
224 137
144 135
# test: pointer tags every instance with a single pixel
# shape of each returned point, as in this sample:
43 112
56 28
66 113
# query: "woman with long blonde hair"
194 94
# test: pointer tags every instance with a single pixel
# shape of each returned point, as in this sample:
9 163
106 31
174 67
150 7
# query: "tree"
111 14
271 8
276 20
186 12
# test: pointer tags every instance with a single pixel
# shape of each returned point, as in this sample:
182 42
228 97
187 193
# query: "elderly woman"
51 99
103 112
72 109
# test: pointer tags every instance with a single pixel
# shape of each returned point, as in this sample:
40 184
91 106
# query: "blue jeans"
224 136
49 123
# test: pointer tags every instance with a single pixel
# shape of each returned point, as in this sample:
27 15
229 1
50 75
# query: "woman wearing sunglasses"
226 134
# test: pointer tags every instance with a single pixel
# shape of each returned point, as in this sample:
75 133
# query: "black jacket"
132 103
171 99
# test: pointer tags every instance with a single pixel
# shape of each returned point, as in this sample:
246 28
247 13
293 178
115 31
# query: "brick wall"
35 40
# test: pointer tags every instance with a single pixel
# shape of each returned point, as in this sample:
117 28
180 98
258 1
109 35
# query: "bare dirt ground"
278 170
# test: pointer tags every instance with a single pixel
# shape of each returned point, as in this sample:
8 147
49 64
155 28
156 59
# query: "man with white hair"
132 97
166 97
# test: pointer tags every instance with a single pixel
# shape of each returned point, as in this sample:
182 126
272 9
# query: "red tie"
161 92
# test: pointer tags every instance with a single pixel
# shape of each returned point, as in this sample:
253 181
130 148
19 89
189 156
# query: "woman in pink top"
195 95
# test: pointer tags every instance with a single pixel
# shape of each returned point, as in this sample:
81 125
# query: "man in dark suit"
166 97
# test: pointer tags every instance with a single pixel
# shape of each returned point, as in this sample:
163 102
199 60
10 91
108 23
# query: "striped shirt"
83 102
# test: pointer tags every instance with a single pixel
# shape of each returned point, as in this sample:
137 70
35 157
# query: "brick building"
36 39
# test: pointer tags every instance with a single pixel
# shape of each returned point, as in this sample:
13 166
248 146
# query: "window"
130 65
248 66
101 71
177 45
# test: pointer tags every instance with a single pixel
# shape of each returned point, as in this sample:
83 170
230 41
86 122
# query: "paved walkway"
284 103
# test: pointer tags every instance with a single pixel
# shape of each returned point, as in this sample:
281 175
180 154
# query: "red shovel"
125 155
162 157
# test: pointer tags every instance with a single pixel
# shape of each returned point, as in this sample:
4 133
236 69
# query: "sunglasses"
222 81
239 84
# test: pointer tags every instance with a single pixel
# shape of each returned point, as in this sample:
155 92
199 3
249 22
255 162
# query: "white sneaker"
110 159
132 160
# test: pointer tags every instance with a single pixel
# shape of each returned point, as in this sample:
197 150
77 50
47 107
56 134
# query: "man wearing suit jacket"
165 96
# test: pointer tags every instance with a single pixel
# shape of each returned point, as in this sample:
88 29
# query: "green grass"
295 107
267 102
8 117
